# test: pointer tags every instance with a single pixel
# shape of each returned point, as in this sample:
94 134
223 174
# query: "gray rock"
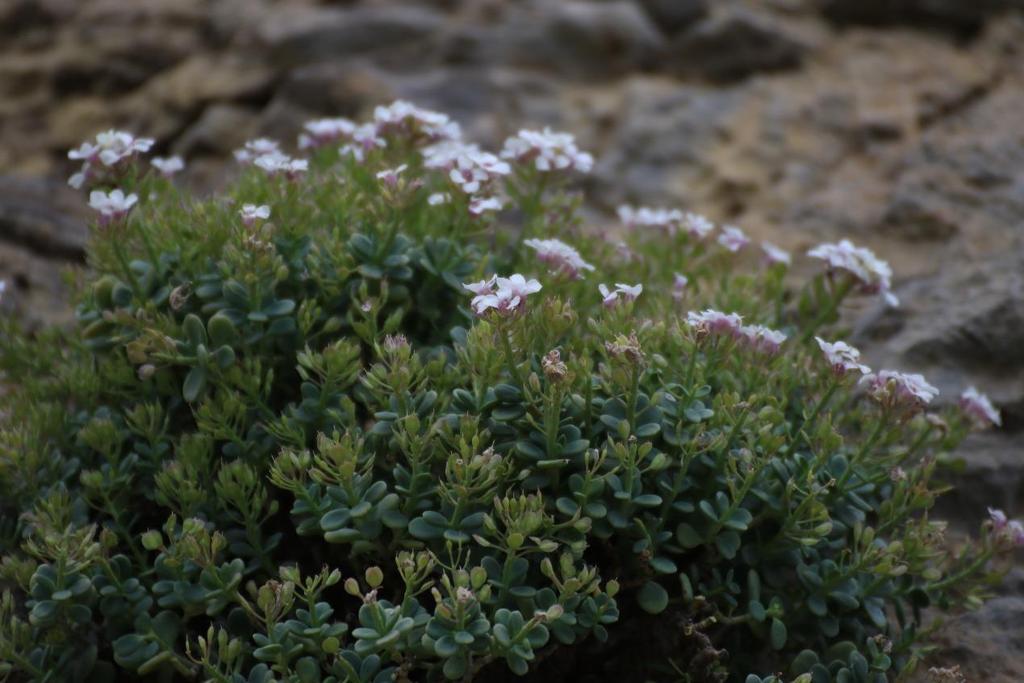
733 44
961 16
220 129
988 644
393 35
672 16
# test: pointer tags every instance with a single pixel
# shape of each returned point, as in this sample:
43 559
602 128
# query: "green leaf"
728 544
778 634
653 598
195 382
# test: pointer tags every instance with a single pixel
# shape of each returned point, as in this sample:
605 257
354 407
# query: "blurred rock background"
897 123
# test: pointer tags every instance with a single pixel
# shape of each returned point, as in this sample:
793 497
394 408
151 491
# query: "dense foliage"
301 433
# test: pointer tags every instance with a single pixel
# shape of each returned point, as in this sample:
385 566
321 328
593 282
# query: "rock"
337 87
672 16
987 644
220 129
393 35
601 38
204 78
733 44
42 231
953 15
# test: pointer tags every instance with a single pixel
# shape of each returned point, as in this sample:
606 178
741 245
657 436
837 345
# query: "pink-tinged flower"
733 239
3 288
364 140
627 293
109 149
710 321
979 409
697 226
275 163
679 283
390 176
873 275
894 388
762 339
1015 532
559 256
478 206
323 132
774 255
843 358
668 220
439 198
168 166
112 206
998 518
548 151
251 213
473 172
254 149
402 118
506 295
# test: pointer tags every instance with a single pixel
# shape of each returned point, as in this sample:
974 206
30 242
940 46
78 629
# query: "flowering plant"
350 422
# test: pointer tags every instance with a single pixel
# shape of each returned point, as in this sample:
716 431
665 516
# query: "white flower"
733 239
364 140
763 339
559 256
322 132
774 254
109 149
627 292
251 213
471 171
1015 531
548 151
256 148
899 388
697 226
842 357
3 288
710 321
504 295
480 205
278 162
668 220
979 408
390 176
168 166
439 198
873 274
403 118
112 206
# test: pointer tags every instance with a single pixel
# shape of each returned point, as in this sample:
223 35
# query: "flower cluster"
668 220
505 295
113 205
873 275
843 358
323 132
892 388
733 239
1011 530
110 150
710 321
762 339
403 119
547 151
559 257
